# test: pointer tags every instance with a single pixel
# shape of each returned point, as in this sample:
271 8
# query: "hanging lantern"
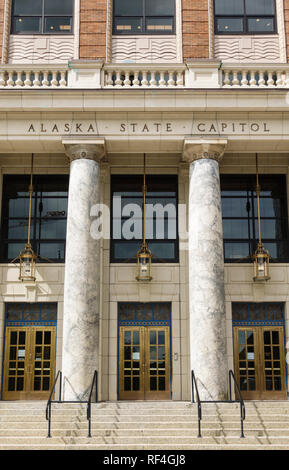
144 255
261 256
261 260
144 259
27 259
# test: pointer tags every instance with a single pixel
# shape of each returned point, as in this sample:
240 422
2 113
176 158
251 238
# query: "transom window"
245 17
144 17
240 216
48 221
42 16
127 217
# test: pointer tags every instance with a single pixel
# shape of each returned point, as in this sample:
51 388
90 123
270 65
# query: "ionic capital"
86 149
204 149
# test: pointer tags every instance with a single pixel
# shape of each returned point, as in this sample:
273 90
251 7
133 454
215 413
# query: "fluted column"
81 284
206 269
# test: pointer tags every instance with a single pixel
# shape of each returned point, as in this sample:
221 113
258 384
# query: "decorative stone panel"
247 48
144 49
36 49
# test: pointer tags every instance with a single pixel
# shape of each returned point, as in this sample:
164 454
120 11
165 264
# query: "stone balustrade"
145 76
35 76
193 74
260 76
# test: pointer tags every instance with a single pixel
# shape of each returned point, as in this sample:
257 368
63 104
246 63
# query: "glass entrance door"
260 362
144 363
29 362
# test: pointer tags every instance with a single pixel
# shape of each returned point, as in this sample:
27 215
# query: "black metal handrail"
242 404
240 400
194 385
94 381
48 406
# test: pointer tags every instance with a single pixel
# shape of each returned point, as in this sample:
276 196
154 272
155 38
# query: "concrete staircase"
144 426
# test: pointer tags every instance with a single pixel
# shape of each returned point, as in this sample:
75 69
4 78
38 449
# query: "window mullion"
42 18
144 17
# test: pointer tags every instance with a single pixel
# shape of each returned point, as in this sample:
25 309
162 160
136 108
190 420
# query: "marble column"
81 283
206 269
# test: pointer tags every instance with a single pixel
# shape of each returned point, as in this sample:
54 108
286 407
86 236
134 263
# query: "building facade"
195 95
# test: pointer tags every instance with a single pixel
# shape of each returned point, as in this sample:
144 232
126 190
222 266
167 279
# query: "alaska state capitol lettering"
199 127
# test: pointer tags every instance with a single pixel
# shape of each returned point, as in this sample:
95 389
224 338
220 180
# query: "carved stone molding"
204 149
94 150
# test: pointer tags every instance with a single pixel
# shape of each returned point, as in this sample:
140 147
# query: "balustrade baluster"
54 81
244 80
162 82
36 81
252 81
63 81
19 82
144 81
180 79
10 81
135 82
127 81
2 79
270 81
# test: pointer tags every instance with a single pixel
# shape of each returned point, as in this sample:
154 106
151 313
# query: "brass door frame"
144 392
29 363
260 393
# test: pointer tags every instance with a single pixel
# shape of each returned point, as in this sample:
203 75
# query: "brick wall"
92 29
1 26
195 19
286 19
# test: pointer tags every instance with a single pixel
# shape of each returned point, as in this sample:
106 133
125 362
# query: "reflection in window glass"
144 16
159 24
27 25
57 25
261 25
245 16
226 25
42 16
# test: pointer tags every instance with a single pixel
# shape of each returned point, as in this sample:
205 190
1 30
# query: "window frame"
144 17
42 19
252 219
175 241
36 242
245 18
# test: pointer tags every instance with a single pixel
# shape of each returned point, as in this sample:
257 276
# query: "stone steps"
105 432
144 426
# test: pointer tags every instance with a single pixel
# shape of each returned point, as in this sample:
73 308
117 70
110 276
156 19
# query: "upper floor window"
48 217
240 216
42 16
144 16
245 17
